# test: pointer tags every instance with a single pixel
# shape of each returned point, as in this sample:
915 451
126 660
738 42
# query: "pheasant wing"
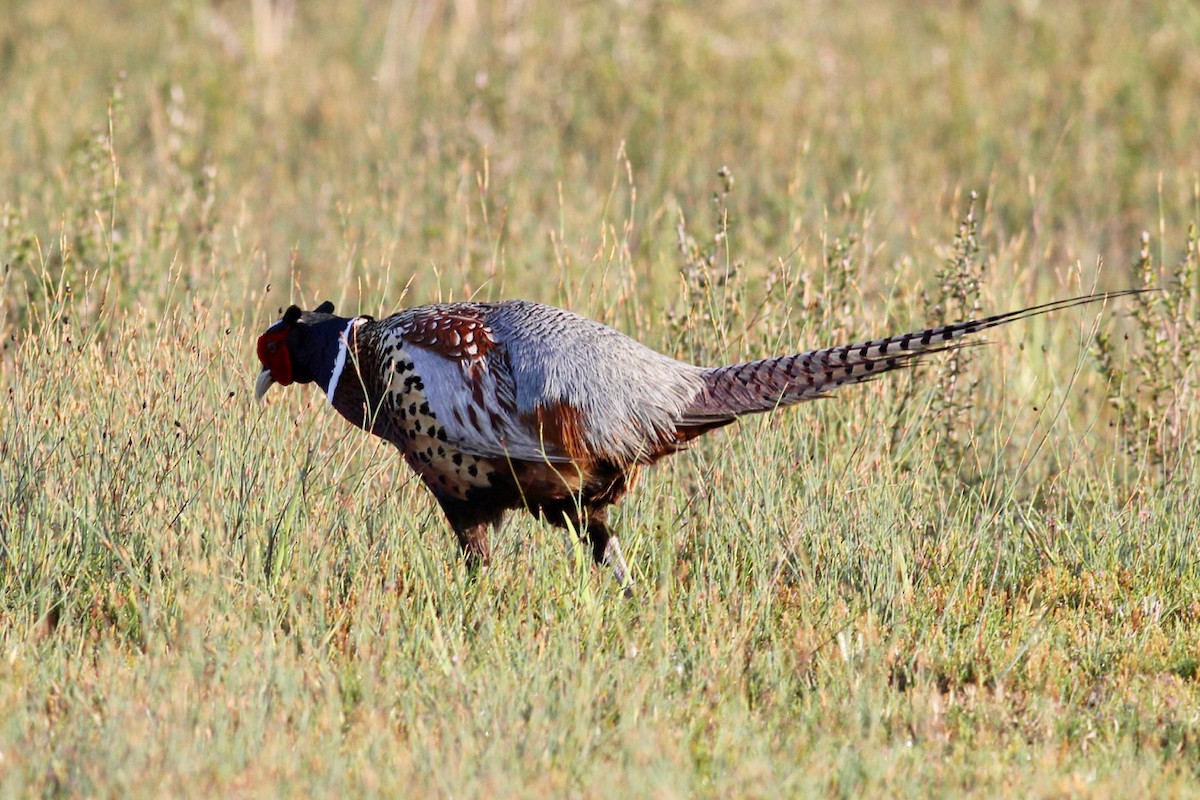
467 383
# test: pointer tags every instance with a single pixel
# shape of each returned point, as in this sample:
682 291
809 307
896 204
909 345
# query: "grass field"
978 579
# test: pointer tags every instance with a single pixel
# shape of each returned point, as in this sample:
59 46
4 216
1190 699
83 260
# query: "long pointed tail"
757 386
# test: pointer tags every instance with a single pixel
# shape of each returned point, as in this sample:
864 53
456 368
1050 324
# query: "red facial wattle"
273 353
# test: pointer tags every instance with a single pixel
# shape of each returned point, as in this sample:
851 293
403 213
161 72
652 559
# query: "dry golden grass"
963 582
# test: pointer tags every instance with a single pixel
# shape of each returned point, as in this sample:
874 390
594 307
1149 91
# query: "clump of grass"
1153 386
957 296
951 386
712 282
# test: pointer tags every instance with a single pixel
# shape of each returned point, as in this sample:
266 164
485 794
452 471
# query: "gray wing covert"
591 387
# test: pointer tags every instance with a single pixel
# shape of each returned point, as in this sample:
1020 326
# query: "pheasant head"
301 347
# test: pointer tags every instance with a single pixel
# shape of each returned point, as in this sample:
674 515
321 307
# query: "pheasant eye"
272 347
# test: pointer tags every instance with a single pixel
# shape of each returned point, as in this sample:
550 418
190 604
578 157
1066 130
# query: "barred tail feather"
758 386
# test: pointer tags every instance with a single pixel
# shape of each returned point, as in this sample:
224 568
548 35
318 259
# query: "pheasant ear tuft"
291 315
325 308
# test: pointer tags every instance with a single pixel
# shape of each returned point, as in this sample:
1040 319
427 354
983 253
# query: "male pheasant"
515 404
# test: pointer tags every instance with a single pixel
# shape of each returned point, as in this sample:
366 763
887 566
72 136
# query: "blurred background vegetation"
349 149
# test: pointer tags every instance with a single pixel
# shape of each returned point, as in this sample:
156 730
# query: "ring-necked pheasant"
507 405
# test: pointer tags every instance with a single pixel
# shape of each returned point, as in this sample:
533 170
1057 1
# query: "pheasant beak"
273 354
264 382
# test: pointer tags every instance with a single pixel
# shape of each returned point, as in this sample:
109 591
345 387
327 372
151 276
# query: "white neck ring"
339 363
